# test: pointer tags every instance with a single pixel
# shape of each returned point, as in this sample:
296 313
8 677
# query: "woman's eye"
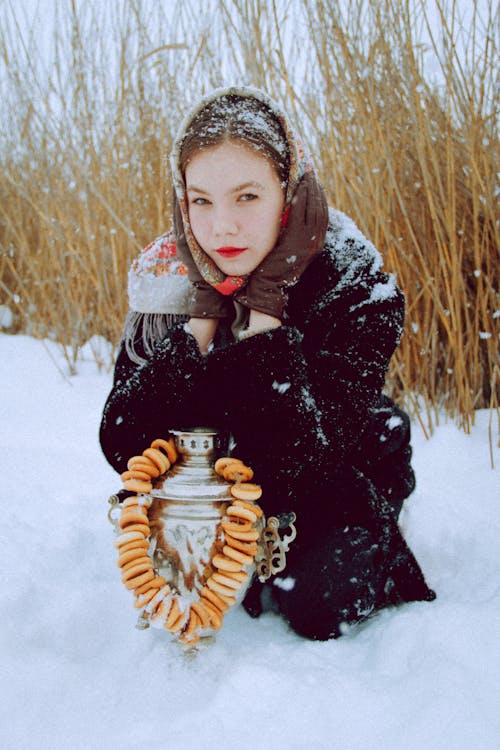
248 197
199 202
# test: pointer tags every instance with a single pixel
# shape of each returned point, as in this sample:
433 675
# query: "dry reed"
410 154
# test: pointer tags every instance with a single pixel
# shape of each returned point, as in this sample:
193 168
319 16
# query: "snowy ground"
75 673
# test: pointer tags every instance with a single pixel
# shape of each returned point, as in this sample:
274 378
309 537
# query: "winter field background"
398 101
77 674
79 194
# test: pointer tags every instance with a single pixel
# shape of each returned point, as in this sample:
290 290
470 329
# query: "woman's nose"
224 223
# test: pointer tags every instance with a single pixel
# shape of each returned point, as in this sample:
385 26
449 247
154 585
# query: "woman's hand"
203 329
259 322
298 244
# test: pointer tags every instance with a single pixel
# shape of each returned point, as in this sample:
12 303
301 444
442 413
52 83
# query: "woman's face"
235 202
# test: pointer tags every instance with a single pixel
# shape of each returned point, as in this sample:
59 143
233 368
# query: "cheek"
274 221
198 226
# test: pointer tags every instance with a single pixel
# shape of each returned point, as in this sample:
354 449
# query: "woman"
268 316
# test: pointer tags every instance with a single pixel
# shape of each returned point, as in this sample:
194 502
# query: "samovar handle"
114 512
271 557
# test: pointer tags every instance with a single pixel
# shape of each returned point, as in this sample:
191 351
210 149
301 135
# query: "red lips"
230 252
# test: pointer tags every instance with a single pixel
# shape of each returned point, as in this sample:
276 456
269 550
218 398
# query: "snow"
281 387
77 674
287 584
394 422
6 317
381 292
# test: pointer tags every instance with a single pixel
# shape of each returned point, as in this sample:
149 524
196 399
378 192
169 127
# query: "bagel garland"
162 606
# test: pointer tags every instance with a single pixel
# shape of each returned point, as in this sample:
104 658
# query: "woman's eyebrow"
195 189
246 185
236 189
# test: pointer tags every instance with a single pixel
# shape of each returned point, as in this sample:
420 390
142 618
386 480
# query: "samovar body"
188 506
185 510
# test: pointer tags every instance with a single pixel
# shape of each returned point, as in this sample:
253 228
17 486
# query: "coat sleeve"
297 402
148 400
348 353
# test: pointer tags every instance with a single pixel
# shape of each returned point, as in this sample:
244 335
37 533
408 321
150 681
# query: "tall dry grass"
404 133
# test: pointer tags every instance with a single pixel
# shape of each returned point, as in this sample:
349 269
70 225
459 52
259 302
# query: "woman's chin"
241 265
235 268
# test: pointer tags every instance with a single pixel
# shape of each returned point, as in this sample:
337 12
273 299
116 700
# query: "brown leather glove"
207 302
299 242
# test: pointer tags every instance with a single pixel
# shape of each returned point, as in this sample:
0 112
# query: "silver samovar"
188 505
